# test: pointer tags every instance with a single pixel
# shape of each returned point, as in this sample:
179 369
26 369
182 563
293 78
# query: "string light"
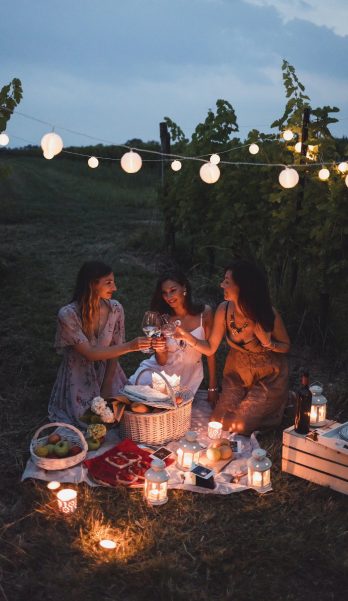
288 135
288 178
51 144
4 139
176 165
342 167
215 159
131 162
93 162
209 173
324 174
253 149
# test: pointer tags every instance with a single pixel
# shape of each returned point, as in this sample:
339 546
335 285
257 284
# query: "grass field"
291 544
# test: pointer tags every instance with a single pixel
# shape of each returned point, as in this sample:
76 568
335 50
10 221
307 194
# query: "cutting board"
217 466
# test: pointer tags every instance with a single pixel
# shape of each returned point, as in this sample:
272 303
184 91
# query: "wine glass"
168 329
151 325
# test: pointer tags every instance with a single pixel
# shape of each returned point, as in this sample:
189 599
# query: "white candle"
214 430
107 543
53 485
67 500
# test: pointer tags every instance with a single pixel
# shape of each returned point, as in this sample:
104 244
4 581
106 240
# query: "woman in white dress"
173 298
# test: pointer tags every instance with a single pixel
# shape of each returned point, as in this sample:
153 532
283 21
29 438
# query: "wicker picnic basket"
158 428
71 434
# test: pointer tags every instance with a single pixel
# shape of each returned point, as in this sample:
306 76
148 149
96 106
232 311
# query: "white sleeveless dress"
186 363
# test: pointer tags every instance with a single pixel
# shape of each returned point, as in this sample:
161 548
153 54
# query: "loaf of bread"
140 408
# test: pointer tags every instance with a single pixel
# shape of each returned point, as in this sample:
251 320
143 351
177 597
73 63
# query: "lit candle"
214 430
107 543
67 500
53 485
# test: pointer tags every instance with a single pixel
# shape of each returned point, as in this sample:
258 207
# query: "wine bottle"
303 405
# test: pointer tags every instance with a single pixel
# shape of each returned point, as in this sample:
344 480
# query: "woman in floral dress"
90 337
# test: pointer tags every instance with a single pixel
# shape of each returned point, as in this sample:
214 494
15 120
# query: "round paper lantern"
209 173
51 144
288 178
93 162
324 174
346 180
176 165
48 155
253 149
4 139
131 162
215 159
342 167
288 135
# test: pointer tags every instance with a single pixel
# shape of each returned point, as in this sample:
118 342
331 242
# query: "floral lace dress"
79 380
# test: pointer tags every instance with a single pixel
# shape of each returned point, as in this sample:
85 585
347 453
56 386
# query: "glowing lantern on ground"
288 135
188 451
253 149
93 162
107 543
319 404
288 178
53 485
176 165
4 139
156 483
215 159
131 162
51 144
67 500
259 470
324 174
342 167
209 173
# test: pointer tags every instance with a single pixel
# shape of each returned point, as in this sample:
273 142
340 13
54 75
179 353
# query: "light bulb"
324 174
176 165
209 173
215 159
4 139
131 162
288 178
93 162
288 135
253 149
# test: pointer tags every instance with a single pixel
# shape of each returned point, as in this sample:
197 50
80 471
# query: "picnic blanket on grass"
201 412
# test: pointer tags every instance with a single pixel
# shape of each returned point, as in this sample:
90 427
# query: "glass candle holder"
214 430
67 500
259 470
53 485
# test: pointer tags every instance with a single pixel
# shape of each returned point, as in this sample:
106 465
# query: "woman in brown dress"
255 378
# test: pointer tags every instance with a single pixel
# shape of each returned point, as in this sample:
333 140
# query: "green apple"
50 448
93 445
42 451
61 449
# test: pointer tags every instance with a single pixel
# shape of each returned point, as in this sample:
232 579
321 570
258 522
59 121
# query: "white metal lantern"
51 144
215 159
342 167
319 405
156 483
188 451
176 165
131 162
324 174
259 470
288 178
209 173
253 149
4 139
288 135
93 162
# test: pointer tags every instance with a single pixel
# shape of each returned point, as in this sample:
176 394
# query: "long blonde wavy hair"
85 293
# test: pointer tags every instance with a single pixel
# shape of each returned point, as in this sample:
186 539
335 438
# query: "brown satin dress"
254 387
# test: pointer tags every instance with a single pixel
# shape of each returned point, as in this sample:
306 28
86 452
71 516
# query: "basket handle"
169 387
53 424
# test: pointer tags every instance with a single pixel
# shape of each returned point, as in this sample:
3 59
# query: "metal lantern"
188 451
156 483
259 470
319 404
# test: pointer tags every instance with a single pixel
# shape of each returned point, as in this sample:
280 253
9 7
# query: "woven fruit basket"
70 434
158 428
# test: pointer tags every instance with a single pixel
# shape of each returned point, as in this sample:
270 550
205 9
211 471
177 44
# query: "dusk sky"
113 69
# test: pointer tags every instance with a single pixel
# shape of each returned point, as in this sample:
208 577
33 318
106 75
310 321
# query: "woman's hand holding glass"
151 326
159 344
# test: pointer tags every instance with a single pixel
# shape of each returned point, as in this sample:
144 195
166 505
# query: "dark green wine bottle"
303 405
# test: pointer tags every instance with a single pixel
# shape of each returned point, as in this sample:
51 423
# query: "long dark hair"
84 292
254 298
160 305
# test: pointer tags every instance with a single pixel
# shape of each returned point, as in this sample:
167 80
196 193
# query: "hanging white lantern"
93 162
346 180
209 173
324 174
176 165
288 135
259 470
253 149
342 167
215 159
188 451
288 178
131 162
156 483
51 144
4 139
48 155
319 405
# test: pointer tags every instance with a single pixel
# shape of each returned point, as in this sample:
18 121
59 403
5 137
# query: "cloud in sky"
114 70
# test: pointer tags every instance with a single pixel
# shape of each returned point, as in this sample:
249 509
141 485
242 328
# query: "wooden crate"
323 461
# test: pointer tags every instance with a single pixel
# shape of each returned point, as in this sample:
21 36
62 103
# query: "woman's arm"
95 353
206 347
211 360
278 340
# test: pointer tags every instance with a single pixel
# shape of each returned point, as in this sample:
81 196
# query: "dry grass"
290 544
